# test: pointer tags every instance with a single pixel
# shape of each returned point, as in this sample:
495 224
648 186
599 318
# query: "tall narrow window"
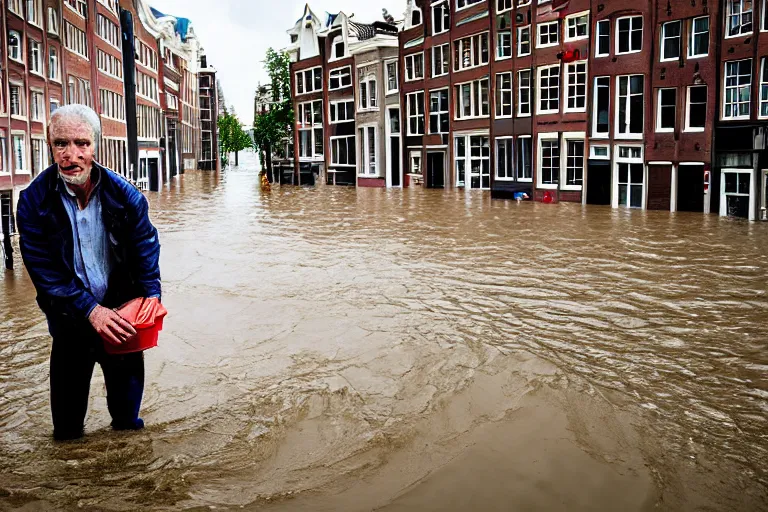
696 116
505 158
53 64
738 17
671 40
35 57
503 45
470 52
392 83
576 86
503 6
763 88
367 89
601 115
574 165
630 121
524 41
630 34
438 111
549 159
603 43
698 43
524 158
504 94
667 108
738 89
549 89
631 180
441 21
440 57
524 93
415 112
14 46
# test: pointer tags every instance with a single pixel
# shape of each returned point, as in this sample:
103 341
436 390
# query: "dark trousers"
73 356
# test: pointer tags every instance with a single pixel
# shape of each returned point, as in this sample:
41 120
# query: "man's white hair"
83 113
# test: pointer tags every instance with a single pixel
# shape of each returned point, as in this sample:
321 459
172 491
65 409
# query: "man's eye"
83 144
60 144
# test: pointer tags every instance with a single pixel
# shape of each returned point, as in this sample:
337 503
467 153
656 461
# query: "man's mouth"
69 168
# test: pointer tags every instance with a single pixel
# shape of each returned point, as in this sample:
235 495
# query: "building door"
690 188
154 174
435 169
599 182
6 228
736 193
173 154
394 163
629 178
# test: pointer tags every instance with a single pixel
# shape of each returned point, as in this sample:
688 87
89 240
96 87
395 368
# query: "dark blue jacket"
47 246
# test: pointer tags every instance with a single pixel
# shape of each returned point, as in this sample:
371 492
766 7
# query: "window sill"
571 40
415 134
367 110
523 115
372 176
438 76
16 13
470 68
628 53
665 130
572 188
38 25
605 136
53 33
673 59
547 186
549 45
694 57
37 73
524 54
509 180
22 172
390 93
346 166
20 118
504 117
506 57
19 61
738 35
738 118
547 112
575 111
628 136
602 55
407 80
73 52
469 118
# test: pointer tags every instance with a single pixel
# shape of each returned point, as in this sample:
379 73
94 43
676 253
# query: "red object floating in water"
548 198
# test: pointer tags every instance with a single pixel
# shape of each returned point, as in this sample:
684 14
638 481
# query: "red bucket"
146 316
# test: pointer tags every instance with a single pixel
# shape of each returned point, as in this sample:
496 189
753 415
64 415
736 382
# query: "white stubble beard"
78 180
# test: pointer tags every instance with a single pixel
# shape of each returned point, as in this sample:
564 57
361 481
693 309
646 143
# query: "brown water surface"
340 349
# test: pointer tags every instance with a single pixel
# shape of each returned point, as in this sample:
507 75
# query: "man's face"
73 147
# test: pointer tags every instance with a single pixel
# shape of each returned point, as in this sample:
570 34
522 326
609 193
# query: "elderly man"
89 246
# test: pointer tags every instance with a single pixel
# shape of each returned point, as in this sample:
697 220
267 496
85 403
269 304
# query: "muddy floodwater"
410 350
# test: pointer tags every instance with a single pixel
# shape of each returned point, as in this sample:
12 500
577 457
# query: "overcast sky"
236 35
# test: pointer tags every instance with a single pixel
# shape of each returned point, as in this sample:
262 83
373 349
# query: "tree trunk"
236 161
269 162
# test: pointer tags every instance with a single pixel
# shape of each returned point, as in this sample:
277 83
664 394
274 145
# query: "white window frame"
418 114
574 18
340 73
520 31
363 151
22 100
549 42
335 107
53 21
618 159
598 34
20 46
311 72
54 68
565 159
595 90
617 128
498 98
539 89
763 89
38 20
41 107
413 155
519 88
372 103
468 158
513 171
729 14
500 47
337 138
466 4
459 44
726 88
441 4
339 39
387 63
40 71
593 154
659 128
692 37
629 35
439 113
548 136
688 127
518 167
662 49
567 84
475 98
504 8
413 57
24 156
445 53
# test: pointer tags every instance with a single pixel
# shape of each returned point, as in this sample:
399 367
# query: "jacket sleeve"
144 247
49 274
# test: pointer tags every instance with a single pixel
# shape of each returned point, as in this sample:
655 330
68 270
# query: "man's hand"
111 327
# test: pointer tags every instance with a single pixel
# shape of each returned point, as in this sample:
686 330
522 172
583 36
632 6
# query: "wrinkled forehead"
70 128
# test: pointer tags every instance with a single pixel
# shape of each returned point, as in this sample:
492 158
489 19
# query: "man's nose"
70 150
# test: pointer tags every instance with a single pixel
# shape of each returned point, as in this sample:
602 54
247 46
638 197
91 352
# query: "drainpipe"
6 228
129 74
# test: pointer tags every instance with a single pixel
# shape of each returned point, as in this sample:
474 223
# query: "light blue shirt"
92 258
